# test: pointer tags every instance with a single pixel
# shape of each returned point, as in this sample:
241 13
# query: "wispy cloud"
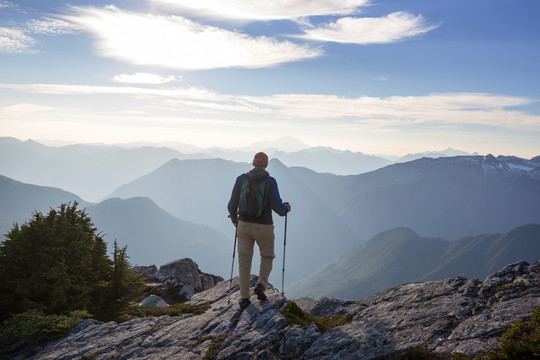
63 89
8 4
19 110
178 43
391 28
18 40
436 109
453 108
49 26
15 41
144 78
267 10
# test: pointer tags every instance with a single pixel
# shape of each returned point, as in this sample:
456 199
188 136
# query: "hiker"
254 196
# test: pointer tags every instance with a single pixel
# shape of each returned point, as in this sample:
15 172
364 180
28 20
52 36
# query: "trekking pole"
283 274
232 266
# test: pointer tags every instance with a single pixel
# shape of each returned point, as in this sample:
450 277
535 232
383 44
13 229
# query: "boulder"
148 272
185 273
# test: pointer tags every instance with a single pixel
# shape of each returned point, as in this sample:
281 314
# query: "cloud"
178 43
394 27
452 108
266 10
8 4
63 89
144 78
395 111
14 41
49 26
20 110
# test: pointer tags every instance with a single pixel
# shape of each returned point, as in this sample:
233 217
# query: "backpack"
250 204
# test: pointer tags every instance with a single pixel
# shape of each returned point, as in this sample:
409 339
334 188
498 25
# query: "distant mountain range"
449 152
18 201
444 197
90 171
399 256
328 160
81 168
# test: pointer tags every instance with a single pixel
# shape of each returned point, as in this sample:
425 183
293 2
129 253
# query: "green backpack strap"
260 197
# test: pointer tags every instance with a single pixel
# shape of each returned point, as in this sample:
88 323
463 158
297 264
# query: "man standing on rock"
254 196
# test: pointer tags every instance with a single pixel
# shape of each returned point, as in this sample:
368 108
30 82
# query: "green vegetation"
33 326
520 285
93 355
56 264
416 353
295 315
171 310
213 351
512 286
521 341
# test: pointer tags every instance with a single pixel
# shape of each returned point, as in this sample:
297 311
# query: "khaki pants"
248 234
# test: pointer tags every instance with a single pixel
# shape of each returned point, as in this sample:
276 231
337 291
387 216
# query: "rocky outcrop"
186 274
453 315
183 274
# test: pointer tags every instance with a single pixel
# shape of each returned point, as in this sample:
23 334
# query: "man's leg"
245 254
264 235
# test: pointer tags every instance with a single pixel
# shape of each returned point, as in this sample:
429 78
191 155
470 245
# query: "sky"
371 76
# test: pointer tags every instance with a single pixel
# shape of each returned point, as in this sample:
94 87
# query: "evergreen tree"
58 263
124 285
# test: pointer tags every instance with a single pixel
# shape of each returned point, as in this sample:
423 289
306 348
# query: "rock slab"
452 315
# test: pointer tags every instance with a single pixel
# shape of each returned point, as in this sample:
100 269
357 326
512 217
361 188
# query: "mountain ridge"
400 255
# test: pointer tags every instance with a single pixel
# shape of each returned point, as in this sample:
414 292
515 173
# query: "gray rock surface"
452 315
183 273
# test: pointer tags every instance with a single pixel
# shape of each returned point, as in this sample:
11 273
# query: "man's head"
260 160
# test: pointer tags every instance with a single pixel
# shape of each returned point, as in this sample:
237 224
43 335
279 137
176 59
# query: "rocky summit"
448 316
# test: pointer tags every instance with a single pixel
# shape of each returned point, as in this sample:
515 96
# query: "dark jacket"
272 200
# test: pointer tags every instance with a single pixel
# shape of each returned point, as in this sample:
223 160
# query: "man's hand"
234 221
288 206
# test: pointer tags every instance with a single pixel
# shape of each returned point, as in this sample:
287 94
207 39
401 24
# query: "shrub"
295 315
521 340
415 353
32 327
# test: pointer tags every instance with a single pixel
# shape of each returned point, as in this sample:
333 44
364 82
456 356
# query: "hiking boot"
259 291
244 303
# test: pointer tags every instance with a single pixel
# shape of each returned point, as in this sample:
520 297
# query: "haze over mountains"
165 204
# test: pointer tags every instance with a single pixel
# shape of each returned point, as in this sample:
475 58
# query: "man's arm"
232 206
276 203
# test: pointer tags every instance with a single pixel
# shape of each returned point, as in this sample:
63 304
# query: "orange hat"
260 160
